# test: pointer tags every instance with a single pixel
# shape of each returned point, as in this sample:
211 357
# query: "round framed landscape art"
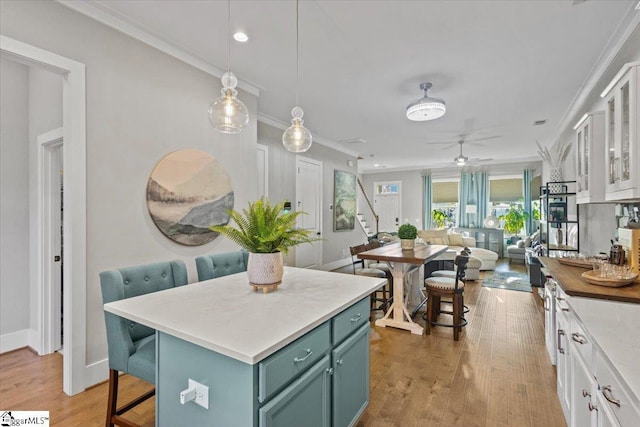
189 191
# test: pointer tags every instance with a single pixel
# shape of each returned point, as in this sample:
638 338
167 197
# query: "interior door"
309 200
386 202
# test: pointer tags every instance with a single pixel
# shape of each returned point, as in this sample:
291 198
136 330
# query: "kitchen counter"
571 281
225 315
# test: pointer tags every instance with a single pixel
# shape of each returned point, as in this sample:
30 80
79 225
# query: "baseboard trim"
96 373
15 340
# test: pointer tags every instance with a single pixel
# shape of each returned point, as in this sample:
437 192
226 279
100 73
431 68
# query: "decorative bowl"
594 278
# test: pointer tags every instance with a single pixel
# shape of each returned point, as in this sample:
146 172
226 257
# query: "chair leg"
113 396
427 324
457 316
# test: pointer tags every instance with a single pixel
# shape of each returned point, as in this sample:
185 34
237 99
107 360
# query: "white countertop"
615 328
225 314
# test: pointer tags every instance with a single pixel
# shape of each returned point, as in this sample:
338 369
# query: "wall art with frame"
344 203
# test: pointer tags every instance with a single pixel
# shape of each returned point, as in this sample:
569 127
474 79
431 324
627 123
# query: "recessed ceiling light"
240 37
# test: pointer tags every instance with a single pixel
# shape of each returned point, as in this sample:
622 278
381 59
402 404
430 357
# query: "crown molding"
120 23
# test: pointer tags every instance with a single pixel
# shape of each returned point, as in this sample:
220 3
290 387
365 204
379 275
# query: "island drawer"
350 320
614 393
581 342
285 365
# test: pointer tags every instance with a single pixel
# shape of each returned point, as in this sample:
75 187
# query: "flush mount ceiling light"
426 108
297 138
241 37
228 114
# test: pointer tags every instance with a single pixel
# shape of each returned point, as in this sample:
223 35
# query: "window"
445 200
504 192
388 188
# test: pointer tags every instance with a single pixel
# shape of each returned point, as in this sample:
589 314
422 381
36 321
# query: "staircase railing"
373 212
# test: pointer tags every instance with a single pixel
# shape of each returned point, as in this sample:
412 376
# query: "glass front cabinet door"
589 164
622 134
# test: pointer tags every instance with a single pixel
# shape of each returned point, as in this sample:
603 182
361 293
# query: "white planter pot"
265 269
407 244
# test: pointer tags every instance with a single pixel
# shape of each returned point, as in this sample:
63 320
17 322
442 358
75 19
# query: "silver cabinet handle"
302 359
592 407
329 371
355 318
585 393
560 349
339 361
546 307
564 309
606 390
580 339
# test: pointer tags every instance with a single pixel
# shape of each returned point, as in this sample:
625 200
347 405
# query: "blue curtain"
427 200
527 176
473 191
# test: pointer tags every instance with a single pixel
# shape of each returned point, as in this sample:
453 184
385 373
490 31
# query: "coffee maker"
616 254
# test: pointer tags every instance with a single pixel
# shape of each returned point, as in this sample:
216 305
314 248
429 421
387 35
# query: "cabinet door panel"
304 403
351 378
582 388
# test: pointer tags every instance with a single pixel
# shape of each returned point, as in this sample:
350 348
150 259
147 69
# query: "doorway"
52 213
387 196
76 377
309 200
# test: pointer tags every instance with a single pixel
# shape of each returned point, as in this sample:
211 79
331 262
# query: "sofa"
517 252
457 242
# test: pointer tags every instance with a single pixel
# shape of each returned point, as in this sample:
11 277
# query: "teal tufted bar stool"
132 347
218 265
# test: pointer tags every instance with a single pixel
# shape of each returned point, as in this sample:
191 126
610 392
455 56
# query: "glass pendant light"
297 138
228 114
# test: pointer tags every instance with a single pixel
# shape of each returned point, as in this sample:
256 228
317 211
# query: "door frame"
75 222
320 213
399 182
49 313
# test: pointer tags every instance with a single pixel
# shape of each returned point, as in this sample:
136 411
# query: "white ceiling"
499 66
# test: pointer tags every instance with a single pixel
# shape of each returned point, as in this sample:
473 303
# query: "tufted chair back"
218 265
124 337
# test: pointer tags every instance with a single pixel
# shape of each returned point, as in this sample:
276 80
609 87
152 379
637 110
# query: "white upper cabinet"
622 128
589 153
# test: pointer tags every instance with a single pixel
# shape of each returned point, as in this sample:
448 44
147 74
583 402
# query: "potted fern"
266 232
407 234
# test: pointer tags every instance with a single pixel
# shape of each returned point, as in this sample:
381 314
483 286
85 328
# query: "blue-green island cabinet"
320 379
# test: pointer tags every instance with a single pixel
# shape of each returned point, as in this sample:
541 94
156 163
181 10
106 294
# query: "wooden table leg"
398 315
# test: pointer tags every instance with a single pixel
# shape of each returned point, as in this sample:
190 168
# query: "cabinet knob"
339 361
592 407
329 371
585 393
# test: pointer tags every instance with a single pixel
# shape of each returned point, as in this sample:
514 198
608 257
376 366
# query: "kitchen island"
299 353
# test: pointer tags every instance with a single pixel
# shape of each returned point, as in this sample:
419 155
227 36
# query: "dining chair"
438 287
131 346
222 264
377 302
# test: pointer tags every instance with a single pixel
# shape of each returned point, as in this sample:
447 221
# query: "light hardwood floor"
498 374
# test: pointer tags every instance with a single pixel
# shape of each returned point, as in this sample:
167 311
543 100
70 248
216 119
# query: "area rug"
511 281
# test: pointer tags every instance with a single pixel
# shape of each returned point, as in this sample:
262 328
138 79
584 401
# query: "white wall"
45 114
141 105
14 203
282 186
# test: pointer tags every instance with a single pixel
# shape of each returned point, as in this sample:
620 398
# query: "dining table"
402 262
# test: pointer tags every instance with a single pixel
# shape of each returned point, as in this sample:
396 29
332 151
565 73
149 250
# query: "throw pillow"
521 243
527 242
455 239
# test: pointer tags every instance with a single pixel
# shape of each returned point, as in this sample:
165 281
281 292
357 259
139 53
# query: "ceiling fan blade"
482 139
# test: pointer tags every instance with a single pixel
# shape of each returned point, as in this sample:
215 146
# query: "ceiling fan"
461 159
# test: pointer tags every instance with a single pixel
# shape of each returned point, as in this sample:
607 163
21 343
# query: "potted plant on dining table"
407 234
266 231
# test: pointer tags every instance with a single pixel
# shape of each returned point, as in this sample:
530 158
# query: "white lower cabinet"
591 392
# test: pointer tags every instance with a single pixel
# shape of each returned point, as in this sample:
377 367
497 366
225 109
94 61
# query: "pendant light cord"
229 35
297 51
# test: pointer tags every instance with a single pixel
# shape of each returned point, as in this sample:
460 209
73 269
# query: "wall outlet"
202 393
